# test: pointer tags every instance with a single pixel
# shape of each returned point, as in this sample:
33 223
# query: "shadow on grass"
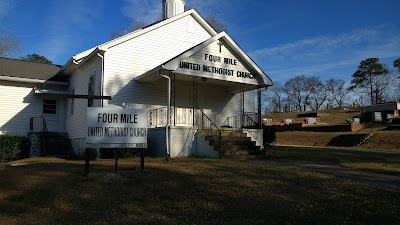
190 191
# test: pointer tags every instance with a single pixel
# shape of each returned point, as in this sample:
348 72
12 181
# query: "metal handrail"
205 124
38 124
256 132
245 122
158 117
241 121
250 121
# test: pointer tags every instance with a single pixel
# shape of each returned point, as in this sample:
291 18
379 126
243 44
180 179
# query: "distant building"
383 111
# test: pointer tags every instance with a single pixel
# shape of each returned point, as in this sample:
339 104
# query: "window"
49 106
72 106
91 91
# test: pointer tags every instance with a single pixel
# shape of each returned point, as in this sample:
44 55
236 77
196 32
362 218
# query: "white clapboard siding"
17 105
128 60
76 122
224 104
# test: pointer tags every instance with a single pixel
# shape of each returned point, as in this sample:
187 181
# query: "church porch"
201 110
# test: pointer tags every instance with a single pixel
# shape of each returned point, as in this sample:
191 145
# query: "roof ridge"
21 60
145 29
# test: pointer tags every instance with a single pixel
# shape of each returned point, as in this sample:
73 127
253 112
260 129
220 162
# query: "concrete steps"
56 144
236 145
349 140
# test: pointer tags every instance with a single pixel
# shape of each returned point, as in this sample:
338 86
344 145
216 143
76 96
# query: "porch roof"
172 66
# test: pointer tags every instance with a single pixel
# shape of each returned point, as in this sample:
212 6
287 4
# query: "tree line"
10 47
372 83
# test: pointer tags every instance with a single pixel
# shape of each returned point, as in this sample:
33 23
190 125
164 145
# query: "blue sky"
284 37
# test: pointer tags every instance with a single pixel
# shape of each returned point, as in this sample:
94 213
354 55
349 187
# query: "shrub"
107 153
13 147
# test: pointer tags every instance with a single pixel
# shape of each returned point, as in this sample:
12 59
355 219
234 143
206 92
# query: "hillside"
381 140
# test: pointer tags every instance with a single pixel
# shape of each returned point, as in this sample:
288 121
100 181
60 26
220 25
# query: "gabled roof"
78 58
173 64
29 70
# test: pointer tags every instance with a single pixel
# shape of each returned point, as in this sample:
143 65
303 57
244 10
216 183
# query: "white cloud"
6 6
323 44
327 56
149 10
63 33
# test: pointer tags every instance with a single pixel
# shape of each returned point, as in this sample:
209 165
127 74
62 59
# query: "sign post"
117 128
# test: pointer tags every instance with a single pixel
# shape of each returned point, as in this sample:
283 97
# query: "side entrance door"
52 114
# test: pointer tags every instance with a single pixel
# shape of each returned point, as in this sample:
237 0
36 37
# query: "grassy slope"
382 140
186 191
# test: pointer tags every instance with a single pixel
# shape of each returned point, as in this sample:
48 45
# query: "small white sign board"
116 128
378 116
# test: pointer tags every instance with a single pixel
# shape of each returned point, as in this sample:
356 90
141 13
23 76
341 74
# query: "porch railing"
246 122
179 116
37 124
184 116
213 133
158 117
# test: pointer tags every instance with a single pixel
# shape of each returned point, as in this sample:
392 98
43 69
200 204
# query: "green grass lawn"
186 191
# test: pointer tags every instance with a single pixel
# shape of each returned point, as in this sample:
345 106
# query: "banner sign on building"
116 128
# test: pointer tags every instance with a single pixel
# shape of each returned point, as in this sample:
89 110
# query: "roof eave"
174 63
21 80
75 62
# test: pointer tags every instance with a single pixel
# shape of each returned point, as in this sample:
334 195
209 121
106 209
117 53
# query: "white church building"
195 83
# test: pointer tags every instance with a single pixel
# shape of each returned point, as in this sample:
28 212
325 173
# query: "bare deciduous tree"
319 96
337 91
9 45
216 23
212 20
293 90
396 64
304 92
273 98
132 27
310 87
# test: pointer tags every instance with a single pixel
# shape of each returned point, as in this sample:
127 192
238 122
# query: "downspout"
102 78
168 113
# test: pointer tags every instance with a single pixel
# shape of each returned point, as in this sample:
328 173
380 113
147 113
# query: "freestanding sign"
116 128
378 116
